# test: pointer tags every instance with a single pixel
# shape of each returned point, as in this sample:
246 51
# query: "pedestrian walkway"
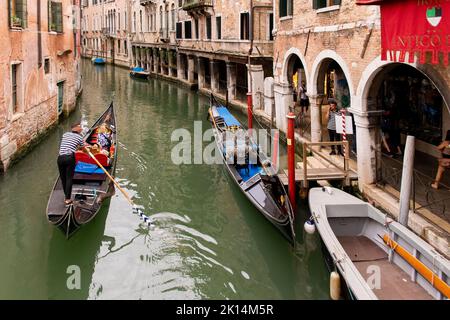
432 225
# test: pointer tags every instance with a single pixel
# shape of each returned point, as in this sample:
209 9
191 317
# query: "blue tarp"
99 60
87 168
227 117
138 69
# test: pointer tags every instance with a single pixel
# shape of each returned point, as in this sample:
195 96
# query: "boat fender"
310 226
335 285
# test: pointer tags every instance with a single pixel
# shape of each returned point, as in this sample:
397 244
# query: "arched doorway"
412 102
332 83
297 79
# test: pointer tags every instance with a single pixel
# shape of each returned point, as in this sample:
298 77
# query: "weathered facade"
336 46
105 30
204 44
39 70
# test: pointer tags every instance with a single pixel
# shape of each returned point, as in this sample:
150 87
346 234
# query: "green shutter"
9 13
315 4
24 14
283 8
59 17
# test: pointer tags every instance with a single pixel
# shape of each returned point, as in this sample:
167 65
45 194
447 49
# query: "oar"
419 266
135 208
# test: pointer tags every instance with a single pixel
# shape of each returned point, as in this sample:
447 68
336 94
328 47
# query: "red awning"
369 2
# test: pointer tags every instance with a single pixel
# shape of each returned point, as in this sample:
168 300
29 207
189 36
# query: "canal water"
208 242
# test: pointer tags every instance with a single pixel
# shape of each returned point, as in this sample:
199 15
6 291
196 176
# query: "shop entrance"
411 105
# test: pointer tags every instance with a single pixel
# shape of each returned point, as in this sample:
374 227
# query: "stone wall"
36 89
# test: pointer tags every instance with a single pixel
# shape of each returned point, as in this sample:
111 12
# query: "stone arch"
288 56
377 66
319 64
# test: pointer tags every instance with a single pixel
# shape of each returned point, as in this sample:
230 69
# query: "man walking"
70 142
331 114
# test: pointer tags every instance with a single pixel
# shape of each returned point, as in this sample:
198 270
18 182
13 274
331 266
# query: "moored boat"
371 256
98 60
140 73
91 186
256 179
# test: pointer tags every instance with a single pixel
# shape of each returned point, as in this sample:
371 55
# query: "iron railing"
423 196
194 4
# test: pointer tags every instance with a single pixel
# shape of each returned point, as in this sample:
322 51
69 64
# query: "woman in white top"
444 161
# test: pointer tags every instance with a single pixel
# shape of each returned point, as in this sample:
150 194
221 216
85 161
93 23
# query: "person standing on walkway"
444 162
70 143
331 115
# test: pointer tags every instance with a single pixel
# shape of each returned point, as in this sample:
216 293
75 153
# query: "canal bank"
209 241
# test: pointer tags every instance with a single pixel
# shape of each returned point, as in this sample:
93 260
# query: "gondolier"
70 143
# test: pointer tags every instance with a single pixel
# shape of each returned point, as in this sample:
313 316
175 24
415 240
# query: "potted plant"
16 21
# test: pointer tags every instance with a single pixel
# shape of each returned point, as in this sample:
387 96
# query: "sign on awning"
414 26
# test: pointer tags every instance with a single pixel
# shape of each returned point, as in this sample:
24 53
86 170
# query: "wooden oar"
421 268
135 208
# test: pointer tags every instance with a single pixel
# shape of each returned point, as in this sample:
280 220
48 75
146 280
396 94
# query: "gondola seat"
80 156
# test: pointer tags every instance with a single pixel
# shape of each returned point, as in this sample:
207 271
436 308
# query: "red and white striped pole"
344 131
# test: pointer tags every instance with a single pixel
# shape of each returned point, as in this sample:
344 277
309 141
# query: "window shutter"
59 20
25 14
283 8
49 18
9 13
315 4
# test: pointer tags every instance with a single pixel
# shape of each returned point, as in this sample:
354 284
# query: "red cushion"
84 157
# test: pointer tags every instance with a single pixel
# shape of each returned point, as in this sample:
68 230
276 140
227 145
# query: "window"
60 97
118 45
15 81
286 7
219 27
47 64
208 27
55 21
270 26
245 19
134 22
179 33
197 34
173 17
180 3
140 19
125 47
187 30
319 4
18 13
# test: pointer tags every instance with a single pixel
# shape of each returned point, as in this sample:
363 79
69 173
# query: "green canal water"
208 242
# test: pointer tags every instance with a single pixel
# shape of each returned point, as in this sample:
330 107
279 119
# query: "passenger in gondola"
70 143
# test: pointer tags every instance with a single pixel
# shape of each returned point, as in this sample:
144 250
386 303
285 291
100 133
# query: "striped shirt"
332 120
70 142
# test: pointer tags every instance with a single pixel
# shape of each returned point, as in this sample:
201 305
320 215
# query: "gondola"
257 179
91 186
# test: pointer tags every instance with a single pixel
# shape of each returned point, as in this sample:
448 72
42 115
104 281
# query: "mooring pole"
291 158
249 110
407 176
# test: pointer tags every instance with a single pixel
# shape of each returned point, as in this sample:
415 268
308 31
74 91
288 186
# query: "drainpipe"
250 83
39 36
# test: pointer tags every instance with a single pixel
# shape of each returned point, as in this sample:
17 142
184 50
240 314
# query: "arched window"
173 17
161 18
140 20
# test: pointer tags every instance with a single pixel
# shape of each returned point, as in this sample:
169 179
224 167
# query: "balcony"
147 2
198 7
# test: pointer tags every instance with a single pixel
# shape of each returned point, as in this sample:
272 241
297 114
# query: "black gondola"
91 186
256 179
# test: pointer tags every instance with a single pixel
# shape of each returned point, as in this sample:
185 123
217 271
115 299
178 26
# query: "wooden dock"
321 168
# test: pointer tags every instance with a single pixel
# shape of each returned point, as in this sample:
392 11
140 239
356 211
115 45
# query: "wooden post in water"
291 158
407 176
